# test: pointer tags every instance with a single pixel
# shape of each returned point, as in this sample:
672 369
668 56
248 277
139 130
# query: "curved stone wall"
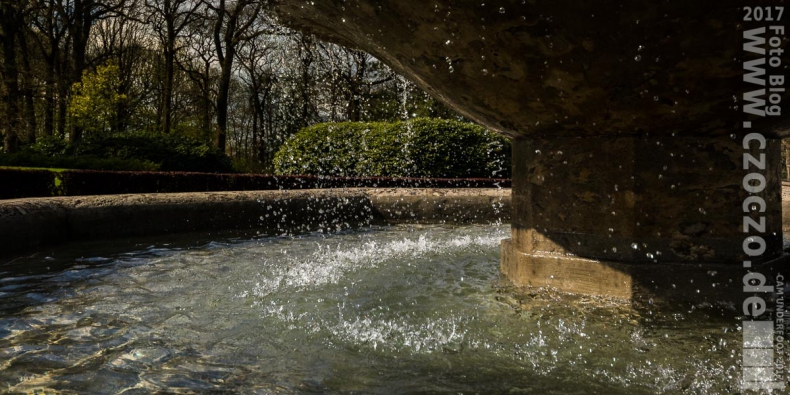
30 223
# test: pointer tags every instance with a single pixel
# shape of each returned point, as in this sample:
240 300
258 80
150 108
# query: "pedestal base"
669 282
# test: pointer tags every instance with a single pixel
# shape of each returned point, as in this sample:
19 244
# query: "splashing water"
400 309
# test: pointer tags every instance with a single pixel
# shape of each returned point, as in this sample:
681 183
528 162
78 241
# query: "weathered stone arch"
626 116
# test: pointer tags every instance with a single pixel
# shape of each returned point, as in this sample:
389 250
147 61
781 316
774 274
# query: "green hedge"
34 159
417 148
133 151
26 183
170 152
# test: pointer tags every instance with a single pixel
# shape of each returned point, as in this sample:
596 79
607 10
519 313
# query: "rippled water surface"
403 309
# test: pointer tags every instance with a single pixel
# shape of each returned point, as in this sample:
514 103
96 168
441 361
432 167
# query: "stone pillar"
603 215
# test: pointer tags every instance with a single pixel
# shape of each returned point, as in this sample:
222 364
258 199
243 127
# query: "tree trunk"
28 91
206 91
354 104
10 98
222 99
307 61
62 78
167 99
49 96
80 35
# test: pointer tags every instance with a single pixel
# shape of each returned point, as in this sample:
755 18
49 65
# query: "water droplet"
501 10
638 58
634 246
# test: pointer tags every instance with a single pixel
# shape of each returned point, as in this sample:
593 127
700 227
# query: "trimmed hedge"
19 183
420 147
170 152
33 159
27 183
133 151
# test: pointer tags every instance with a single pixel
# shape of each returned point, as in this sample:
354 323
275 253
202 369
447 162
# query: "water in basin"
398 309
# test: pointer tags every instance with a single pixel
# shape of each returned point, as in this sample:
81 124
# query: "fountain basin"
400 309
29 223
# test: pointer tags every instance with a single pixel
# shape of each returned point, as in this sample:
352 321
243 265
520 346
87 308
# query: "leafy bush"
134 151
170 152
420 147
49 146
95 100
248 165
29 158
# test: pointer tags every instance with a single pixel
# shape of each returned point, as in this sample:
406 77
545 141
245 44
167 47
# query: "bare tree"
49 30
233 22
169 18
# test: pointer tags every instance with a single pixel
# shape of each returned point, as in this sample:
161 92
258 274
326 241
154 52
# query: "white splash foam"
328 265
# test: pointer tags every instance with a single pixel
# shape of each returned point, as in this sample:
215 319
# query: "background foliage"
123 151
182 82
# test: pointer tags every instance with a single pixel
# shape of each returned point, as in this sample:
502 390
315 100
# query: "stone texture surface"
629 216
697 283
555 68
28 223
645 199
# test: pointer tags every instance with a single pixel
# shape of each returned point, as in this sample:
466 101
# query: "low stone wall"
26 224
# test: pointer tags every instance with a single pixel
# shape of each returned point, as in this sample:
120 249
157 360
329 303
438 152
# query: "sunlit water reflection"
403 309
